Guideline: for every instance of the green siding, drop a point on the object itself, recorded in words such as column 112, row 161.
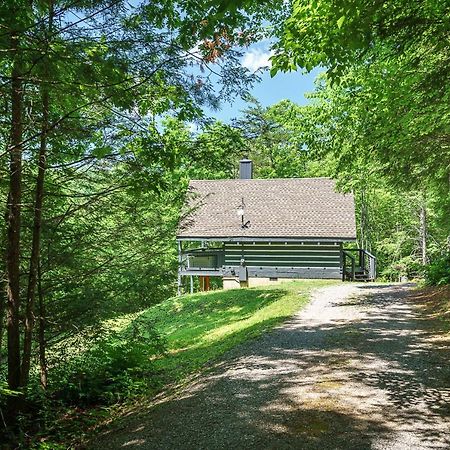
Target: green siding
column 283, row 255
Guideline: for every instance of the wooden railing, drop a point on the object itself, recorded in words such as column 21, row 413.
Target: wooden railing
column 372, row 265
column 348, row 273
column 361, row 266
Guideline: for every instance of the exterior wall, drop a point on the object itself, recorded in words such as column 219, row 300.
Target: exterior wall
column 234, row 283
column 231, row 283
column 286, row 260
column 265, row 281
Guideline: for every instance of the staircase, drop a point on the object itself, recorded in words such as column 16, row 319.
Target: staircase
column 358, row 265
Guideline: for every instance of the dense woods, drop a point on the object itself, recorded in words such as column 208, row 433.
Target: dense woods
column 103, row 123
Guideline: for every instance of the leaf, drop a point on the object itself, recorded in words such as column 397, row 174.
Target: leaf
column 340, row 22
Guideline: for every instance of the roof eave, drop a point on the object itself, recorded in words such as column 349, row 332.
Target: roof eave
column 267, row 238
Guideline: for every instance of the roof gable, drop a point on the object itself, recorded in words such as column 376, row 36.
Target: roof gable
column 276, row 208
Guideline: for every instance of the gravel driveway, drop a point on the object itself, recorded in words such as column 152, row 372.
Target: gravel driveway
column 359, row 368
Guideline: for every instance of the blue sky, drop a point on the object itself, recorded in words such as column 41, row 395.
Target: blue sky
column 268, row 91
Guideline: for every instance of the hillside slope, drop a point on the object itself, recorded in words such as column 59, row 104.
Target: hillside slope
column 138, row 355
column 200, row 327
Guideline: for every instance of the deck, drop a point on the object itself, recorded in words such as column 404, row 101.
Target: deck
column 354, row 265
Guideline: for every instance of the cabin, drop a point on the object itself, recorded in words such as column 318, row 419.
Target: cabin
column 259, row 231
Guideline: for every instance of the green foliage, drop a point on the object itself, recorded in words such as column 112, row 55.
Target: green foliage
column 111, row 253
column 117, row 365
column 438, row 272
column 336, row 33
column 273, row 139
column 406, row 268
column 211, row 152
column 5, row 391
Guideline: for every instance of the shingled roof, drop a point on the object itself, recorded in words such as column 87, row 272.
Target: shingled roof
column 291, row 208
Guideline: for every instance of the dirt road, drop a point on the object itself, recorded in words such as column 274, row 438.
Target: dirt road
column 359, row 368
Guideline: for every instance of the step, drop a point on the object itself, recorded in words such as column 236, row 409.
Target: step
column 362, row 277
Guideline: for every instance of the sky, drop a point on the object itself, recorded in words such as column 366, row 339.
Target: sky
column 291, row 86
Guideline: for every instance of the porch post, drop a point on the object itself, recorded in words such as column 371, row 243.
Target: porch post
column 180, row 261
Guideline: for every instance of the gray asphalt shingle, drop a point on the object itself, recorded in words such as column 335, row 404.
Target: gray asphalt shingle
column 282, row 208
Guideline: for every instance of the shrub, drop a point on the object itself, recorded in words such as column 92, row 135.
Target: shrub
column 116, row 367
column 407, row 267
column 438, row 272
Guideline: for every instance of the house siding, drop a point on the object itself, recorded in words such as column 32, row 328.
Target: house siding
column 309, row 259
column 318, row 255
column 285, row 260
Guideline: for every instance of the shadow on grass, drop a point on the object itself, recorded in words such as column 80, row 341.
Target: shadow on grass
column 201, row 327
column 337, row 384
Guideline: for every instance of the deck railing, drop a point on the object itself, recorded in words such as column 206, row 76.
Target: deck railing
column 361, row 266
column 199, row 261
column 357, row 264
column 348, row 270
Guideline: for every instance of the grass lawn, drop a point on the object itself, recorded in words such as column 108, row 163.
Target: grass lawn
column 201, row 327
column 198, row 329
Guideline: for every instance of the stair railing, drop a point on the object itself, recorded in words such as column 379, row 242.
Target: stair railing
column 372, row 265
column 347, row 257
column 366, row 262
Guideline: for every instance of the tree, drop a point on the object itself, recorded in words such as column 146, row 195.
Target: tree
column 274, row 139
column 337, row 33
column 88, row 84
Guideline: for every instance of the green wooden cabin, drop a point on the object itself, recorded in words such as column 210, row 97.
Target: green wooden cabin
column 258, row 231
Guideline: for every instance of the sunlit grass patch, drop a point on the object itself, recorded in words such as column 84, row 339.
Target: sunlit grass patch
column 200, row 327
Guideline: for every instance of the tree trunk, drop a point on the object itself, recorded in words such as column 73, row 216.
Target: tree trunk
column 364, row 221
column 35, row 243
column 423, row 231
column 3, row 298
column 42, row 343
column 2, row 323
column 37, row 218
column 13, row 221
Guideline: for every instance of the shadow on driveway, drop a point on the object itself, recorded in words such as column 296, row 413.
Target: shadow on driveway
column 359, row 370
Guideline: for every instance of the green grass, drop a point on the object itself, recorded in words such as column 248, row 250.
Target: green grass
column 201, row 327
column 197, row 329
